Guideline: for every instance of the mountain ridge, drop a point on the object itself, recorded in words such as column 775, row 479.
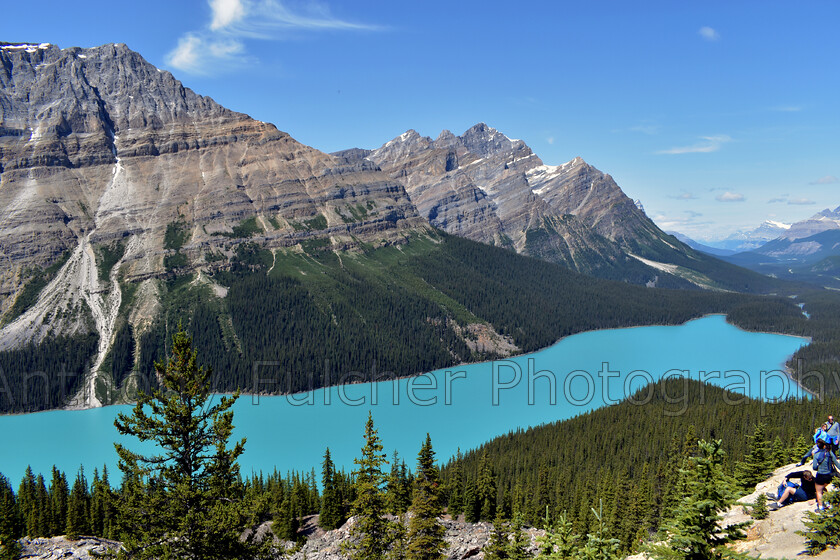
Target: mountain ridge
column 127, row 200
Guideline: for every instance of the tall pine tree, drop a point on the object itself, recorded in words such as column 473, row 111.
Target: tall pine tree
column 455, row 488
column 759, row 462
column 182, row 501
column 425, row 532
column 10, row 525
column 370, row 533
column 78, row 508
column 59, row 496
column 486, row 488
column 695, row 533
column 332, row 515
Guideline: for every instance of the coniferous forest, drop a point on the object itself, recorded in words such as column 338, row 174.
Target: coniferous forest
column 394, row 311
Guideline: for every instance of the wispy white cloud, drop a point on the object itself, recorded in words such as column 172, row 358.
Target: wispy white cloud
column 800, row 201
column 706, row 145
column 709, row 34
column 687, row 223
column 226, row 12
column 201, row 55
column 777, row 199
column 730, row 197
column 827, row 180
column 221, row 44
column 649, row 129
column 685, row 195
column 550, row 139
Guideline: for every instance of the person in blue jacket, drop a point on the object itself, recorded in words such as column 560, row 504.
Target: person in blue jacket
column 820, row 433
column 832, row 433
column 790, row 492
column 825, row 465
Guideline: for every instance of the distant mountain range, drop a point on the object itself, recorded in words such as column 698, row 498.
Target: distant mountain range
column 124, row 194
column 806, row 250
column 749, row 240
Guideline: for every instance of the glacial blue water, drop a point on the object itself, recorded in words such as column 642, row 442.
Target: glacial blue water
column 460, row 407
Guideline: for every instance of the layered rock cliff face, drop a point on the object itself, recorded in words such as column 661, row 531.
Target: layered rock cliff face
column 487, row 187
column 109, row 165
column 97, row 144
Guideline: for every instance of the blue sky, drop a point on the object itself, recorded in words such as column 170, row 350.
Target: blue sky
column 716, row 115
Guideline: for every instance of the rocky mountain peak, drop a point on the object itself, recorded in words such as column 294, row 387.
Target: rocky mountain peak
column 488, row 187
column 99, row 148
column 485, row 140
column 446, row 138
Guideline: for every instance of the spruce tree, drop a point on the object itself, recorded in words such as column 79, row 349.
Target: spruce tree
column 398, row 487
column 598, row 545
column 26, row 503
column 823, row 527
column 518, row 548
column 780, row 453
column 102, row 506
column 472, row 505
column 486, row 488
column 759, row 509
column 10, row 525
column 331, row 516
column 96, row 520
column 59, row 496
column 759, row 462
column 370, row 533
column 425, row 532
column 498, row 548
column 398, row 539
column 695, row 532
column 42, row 512
column 560, row 541
column 455, row 488
column 285, row 524
column 78, row 508
column 182, row 501
column 801, row 446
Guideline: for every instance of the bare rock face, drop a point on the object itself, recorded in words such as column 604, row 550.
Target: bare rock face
column 97, row 144
column 487, row 187
column 60, row 547
column 463, row 540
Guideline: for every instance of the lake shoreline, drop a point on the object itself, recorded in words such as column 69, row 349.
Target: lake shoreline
column 362, row 381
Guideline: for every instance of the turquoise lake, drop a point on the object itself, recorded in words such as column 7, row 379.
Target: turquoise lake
column 463, row 406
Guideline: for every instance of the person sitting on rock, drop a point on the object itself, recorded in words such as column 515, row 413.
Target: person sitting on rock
column 826, row 465
column 790, row 492
column 820, row 433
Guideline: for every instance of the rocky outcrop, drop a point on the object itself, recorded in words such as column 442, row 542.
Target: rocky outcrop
column 775, row 536
column 487, row 187
column 464, row 540
column 60, row 547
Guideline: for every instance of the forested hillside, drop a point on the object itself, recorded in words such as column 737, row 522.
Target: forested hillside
column 407, row 309
column 315, row 314
column 625, row 456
